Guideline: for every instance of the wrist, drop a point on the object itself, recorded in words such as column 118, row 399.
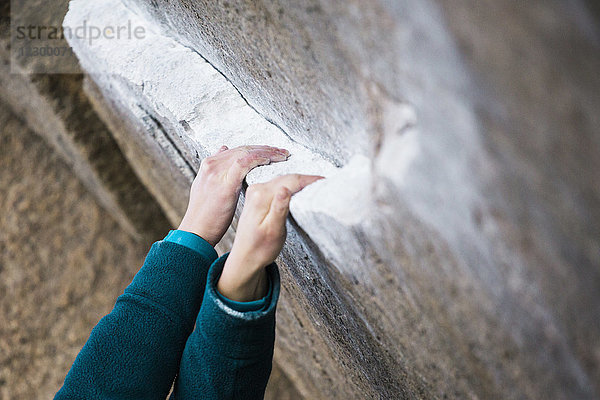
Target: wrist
column 189, row 225
column 240, row 281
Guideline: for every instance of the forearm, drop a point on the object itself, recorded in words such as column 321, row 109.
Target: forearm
column 229, row 354
column 134, row 351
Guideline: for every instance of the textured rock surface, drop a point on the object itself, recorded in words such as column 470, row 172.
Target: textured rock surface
column 63, row 262
column 56, row 108
column 454, row 249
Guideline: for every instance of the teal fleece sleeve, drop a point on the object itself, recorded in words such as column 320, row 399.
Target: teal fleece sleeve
column 229, row 354
column 200, row 245
column 135, row 351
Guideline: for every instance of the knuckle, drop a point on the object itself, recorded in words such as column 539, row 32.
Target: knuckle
column 209, row 164
column 241, row 161
column 283, row 193
column 255, row 191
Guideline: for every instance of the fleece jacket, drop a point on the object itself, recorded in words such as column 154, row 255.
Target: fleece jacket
column 171, row 325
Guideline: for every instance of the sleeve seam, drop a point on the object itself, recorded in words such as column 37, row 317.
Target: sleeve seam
column 153, row 303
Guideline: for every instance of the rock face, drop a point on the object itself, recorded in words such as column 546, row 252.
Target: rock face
column 454, row 250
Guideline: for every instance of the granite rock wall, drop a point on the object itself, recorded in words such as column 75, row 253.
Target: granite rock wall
column 454, row 248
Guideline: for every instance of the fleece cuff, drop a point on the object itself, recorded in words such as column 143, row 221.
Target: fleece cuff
column 192, row 241
column 245, row 332
column 245, row 306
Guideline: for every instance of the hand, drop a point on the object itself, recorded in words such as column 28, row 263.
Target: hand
column 260, row 236
column 216, row 188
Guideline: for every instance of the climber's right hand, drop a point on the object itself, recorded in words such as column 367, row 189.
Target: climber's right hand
column 260, row 236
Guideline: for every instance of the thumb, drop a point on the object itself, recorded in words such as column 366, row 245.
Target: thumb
column 280, row 204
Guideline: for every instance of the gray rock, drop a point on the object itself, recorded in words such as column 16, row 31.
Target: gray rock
column 454, row 249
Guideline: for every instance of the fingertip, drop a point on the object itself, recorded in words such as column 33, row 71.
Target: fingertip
column 223, row 148
column 309, row 179
column 280, row 154
column 279, row 157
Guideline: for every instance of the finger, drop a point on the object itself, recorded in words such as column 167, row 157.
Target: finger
column 256, row 157
column 274, row 153
column 258, row 147
column 261, row 148
column 280, row 205
column 258, row 201
column 252, row 147
column 293, row 182
column 241, row 151
column 251, row 161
